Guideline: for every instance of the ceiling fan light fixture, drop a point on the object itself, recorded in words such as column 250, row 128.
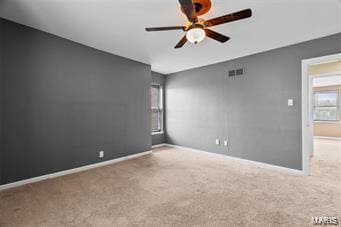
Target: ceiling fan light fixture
column 196, row 28
column 195, row 35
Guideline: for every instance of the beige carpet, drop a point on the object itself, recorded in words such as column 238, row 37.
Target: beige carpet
column 173, row 187
column 327, row 150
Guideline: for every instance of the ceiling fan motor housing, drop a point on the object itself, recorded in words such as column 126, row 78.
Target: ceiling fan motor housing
column 197, row 7
column 201, row 6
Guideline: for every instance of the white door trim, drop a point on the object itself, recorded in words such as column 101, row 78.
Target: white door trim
column 306, row 102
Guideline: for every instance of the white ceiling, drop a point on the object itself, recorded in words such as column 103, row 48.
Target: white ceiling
column 117, row 26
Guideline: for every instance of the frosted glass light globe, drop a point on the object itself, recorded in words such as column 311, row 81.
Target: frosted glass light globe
column 196, row 35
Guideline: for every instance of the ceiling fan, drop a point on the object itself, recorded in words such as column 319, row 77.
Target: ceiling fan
column 196, row 28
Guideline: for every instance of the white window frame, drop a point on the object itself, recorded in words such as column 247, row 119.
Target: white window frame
column 161, row 108
column 337, row 105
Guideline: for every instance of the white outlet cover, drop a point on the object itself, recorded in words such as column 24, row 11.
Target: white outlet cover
column 217, row 141
column 101, row 154
column 290, row 102
column 225, row 143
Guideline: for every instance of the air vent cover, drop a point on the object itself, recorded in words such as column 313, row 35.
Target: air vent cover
column 236, row 72
column 232, row 73
column 239, row 72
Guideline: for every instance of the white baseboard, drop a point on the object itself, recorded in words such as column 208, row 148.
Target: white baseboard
column 254, row 163
column 327, row 138
column 70, row 171
column 96, row 165
column 159, row 145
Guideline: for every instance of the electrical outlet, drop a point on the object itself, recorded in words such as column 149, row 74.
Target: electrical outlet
column 217, row 142
column 225, row 143
column 101, row 154
column 290, row 102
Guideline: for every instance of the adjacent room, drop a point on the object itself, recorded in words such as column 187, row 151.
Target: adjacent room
column 326, row 83
column 170, row 113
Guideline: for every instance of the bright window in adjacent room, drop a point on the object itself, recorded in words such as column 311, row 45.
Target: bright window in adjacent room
column 157, row 108
column 326, row 106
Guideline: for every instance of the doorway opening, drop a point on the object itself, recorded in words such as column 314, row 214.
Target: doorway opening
column 321, row 111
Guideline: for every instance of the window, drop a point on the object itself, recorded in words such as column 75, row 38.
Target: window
column 326, row 106
column 157, row 108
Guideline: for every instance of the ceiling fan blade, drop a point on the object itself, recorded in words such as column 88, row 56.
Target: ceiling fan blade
column 181, row 43
column 165, row 28
column 188, row 9
column 229, row 18
column 216, row 36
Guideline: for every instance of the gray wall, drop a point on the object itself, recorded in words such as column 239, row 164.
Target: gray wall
column 1, row 98
column 158, row 78
column 250, row 111
column 64, row 102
